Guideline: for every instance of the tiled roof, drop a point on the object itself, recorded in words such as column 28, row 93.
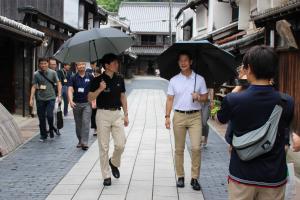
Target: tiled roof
column 247, row 39
column 147, row 17
column 291, row 4
column 151, row 51
column 21, row 27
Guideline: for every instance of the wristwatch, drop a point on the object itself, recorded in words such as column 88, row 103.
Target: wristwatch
column 167, row 116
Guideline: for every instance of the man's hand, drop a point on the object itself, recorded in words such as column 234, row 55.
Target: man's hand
column 126, row 121
column 102, row 86
column 72, row 104
column 296, row 142
column 286, row 148
column 59, row 99
column 195, row 96
column 31, row 102
column 168, row 123
column 230, row 149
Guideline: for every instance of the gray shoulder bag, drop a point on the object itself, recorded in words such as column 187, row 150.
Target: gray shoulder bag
column 259, row 141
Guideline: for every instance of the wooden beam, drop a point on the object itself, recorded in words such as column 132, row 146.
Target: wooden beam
column 49, row 32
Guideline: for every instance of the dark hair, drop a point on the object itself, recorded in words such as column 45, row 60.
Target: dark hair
column 263, row 61
column 93, row 62
column 42, row 59
column 108, row 58
column 52, row 58
column 98, row 70
column 186, row 53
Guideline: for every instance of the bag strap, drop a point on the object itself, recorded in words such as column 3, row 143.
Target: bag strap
column 45, row 77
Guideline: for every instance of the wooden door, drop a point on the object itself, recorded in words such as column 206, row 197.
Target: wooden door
column 7, row 94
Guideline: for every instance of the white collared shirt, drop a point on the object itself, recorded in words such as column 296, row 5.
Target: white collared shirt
column 182, row 87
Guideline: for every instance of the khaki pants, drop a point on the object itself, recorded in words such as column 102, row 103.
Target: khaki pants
column 110, row 122
column 239, row 191
column 181, row 124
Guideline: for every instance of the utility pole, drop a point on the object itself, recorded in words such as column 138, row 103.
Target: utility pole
column 170, row 21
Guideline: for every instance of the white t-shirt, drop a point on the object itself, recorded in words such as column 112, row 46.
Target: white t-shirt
column 182, row 87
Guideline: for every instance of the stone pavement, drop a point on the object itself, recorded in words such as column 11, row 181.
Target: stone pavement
column 35, row 169
column 147, row 170
column 214, row 168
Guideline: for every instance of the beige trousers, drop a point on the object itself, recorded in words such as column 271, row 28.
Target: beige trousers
column 239, row 191
column 110, row 123
column 181, row 124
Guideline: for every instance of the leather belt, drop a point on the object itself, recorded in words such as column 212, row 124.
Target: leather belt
column 111, row 109
column 187, row 112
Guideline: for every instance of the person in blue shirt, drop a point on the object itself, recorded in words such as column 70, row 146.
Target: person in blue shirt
column 78, row 89
column 265, row 176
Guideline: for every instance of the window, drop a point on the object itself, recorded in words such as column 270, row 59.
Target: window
column 235, row 14
column 148, row 40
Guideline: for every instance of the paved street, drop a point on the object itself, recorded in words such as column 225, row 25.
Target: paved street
column 147, row 171
column 57, row 170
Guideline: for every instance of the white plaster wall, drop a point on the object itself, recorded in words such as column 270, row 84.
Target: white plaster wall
column 179, row 30
column 200, row 21
column 71, row 12
column 220, row 15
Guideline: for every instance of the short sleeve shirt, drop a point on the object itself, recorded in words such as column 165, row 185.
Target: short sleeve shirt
column 111, row 96
column 45, row 90
column 64, row 77
column 81, row 86
column 182, row 87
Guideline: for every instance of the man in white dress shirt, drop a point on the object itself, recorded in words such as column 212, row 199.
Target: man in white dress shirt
column 185, row 92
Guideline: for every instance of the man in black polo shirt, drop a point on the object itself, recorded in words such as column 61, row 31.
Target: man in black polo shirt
column 109, row 90
column 78, row 97
column 265, row 176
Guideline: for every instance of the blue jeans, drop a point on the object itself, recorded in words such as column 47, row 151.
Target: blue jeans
column 65, row 99
column 45, row 110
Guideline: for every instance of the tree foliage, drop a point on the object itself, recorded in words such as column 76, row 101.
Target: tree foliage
column 113, row 5
column 110, row 5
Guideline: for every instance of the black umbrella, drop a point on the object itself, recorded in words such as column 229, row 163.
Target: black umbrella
column 214, row 64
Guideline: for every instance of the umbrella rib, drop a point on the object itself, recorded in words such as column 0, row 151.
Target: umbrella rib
column 112, row 45
column 66, row 54
column 96, row 50
column 90, row 51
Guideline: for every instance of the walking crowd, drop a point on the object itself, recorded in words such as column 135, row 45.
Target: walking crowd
column 259, row 117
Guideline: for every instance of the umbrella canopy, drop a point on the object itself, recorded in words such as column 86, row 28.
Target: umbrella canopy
column 91, row 45
column 214, row 64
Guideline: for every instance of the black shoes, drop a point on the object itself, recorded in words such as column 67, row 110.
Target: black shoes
column 84, row 147
column 107, row 182
column 114, row 170
column 180, row 182
column 195, row 184
column 51, row 134
column 57, row 132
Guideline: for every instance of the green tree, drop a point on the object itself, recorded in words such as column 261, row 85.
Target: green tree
column 113, row 5
column 110, row 5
